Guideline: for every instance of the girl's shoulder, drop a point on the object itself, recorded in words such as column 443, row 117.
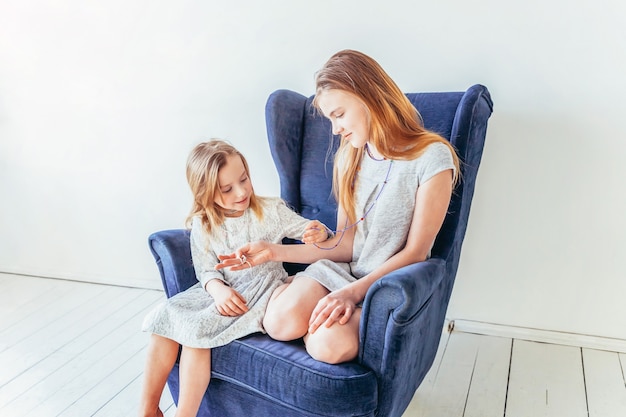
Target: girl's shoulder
column 278, row 210
column 198, row 233
column 195, row 223
column 270, row 207
column 435, row 158
column 436, row 151
column 271, row 203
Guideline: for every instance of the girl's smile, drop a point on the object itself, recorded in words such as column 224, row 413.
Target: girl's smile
column 235, row 187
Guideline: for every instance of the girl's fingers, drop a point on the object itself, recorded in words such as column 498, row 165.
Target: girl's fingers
column 320, row 315
column 240, row 306
column 233, row 263
column 326, row 315
column 346, row 315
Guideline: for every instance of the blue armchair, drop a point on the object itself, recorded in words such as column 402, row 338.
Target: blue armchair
column 403, row 312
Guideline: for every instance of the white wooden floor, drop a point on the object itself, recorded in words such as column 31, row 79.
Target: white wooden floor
column 71, row 349
column 76, row 349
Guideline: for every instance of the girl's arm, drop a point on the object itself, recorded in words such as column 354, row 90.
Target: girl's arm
column 431, row 205
column 337, row 248
column 228, row 301
column 297, row 227
column 204, row 259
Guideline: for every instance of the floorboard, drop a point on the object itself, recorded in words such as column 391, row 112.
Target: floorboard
column 91, row 401
column 488, row 387
column 469, row 379
column 454, row 373
column 80, row 351
column 42, row 310
column 32, row 338
column 604, row 381
column 546, row 380
column 418, row 407
column 17, row 292
column 87, row 354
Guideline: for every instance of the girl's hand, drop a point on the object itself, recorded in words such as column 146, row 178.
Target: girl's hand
column 227, row 301
column 315, row 232
column 337, row 306
column 249, row 255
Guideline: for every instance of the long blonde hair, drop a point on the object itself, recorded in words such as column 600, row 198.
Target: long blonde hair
column 203, row 165
column 395, row 130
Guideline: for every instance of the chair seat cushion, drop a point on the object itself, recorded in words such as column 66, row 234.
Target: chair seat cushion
column 284, row 371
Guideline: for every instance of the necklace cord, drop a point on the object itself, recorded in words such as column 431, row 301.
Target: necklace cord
column 347, row 227
column 369, row 153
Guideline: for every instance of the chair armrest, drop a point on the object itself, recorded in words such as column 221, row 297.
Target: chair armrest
column 172, row 254
column 401, row 323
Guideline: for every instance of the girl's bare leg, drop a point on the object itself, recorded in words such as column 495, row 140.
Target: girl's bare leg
column 337, row 343
column 290, row 307
column 195, row 373
column 162, row 353
column 287, row 318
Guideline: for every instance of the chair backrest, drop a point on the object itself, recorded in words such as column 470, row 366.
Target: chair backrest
column 303, row 147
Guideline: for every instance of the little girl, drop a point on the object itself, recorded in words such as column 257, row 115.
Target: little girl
column 224, row 305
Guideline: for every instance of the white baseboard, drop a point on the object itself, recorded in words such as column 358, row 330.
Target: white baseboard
column 538, row 335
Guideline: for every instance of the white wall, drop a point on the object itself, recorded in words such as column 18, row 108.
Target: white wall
column 100, row 103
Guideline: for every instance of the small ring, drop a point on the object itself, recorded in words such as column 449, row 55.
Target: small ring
column 243, row 259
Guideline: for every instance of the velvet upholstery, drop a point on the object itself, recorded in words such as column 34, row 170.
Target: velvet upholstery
column 403, row 312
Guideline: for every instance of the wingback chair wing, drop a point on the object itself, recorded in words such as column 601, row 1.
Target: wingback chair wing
column 403, row 312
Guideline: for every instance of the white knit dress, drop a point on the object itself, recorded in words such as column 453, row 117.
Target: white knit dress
column 190, row 317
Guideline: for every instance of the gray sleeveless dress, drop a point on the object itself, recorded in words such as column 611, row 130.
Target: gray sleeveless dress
column 385, row 227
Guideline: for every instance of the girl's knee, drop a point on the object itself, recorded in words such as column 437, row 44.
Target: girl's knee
column 327, row 346
column 272, row 324
column 285, row 318
column 281, row 324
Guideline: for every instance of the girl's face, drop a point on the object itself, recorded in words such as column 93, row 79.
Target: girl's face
column 235, row 188
column 348, row 115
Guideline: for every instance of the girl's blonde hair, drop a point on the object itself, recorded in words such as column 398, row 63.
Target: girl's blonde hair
column 395, row 130
column 203, row 165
